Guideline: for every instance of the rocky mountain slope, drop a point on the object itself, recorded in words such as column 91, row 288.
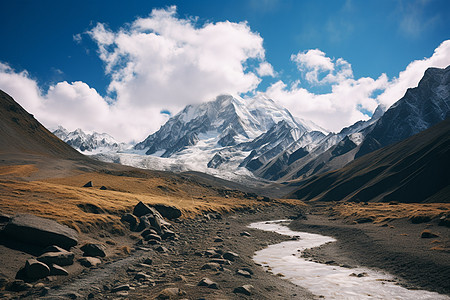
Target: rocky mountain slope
column 414, row 170
column 20, row 132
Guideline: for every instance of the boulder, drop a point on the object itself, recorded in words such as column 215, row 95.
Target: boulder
column 58, row 270
column 39, row 231
column 131, row 219
column 427, row 234
column 62, row 258
column 151, row 236
column 246, row 289
column 243, row 273
column 89, row 261
column 35, row 269
column 88, row 184
column 211, row 266
column 119, row 288
column 91, row 249
column 208, row 283
column 167, row 211
column 53, row 248
column 142, row 209
column 167, row 234
column 171, row 293
column 103, row 188
column 230, row 255
column 150, row 221
column 148, row 231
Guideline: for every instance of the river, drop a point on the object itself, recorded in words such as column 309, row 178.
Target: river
column 330, row 282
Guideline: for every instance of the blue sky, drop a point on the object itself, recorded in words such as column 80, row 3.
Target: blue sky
column 355, row 48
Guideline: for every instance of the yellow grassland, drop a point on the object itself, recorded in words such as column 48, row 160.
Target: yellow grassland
column 382, row 212
column 66, row 200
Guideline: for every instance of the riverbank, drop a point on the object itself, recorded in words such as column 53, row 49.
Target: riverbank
column 394, row 246
column 182, row 265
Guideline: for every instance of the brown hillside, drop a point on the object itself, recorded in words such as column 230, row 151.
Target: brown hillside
column 414, row 170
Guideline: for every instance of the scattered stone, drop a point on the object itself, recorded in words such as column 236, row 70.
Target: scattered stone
column 426, row 234
column 73, row 295
column 246, row 289
column 180, row 278
column 148, row 261
column 103, row 188
column 53, row 248
column 220, row 261
column 171, row 293
column 444, row 221
column 168, row 234
column 230, row 255
column 19, row 286
column 89, row 261
column 39, row 231
column 245, row 233
column 364, row 274
column 208, row 283
column 211, row 252
column 419, row 219
column 148, row 231
column 62, row 258
column 58, row 270
column 35, row 269
column 152, row 236
column 88, row 184
column 243, row 273
column 130, row 219
column 218, row 239
column 93, row 250
column 364, row 220
column 161, row 249
column 167, row 211
column 119, row 288
column 142, row 209
column 211, row 266
column 142, row 276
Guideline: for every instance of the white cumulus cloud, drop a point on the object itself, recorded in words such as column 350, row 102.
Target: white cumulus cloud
column 350, row 99
column 157, row 63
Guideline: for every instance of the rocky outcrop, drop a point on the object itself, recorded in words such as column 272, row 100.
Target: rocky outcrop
column 31, row 229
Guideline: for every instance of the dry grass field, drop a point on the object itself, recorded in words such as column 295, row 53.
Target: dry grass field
column 64, row 199
column 383, row 212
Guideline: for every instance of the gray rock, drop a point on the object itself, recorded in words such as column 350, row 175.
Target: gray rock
column 131, row 219
column 89, row 261
column 245, row 233
column 220, row 261
column 167, row 211
column 142, row 209
column 58, row 270
column 171, row 293
column 246, row 289
column 91, row 249
column 19, row 286
column 88, row 184
column 148, row 231
column 243, row 273
column 161, row 249
column 167, row 234
column 230, row 255
column 211, row 266
column 142, row 276
column 53, row 248
column 34, row 269
column 39, row 231
column 180, row 278
column 62, row 258
column 119, row 288
column 208, row 283
column 151, row 236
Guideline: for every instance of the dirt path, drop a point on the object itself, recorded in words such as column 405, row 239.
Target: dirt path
column 181, row 266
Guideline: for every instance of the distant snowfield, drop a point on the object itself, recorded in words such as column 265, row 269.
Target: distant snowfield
column 331, row 282
column 193, row 158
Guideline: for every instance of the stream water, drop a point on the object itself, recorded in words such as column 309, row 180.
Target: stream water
column 331, row 282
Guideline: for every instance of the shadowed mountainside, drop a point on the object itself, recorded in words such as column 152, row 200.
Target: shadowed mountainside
column 414, row 170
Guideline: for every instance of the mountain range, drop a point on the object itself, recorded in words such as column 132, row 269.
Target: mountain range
column 257, row 138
